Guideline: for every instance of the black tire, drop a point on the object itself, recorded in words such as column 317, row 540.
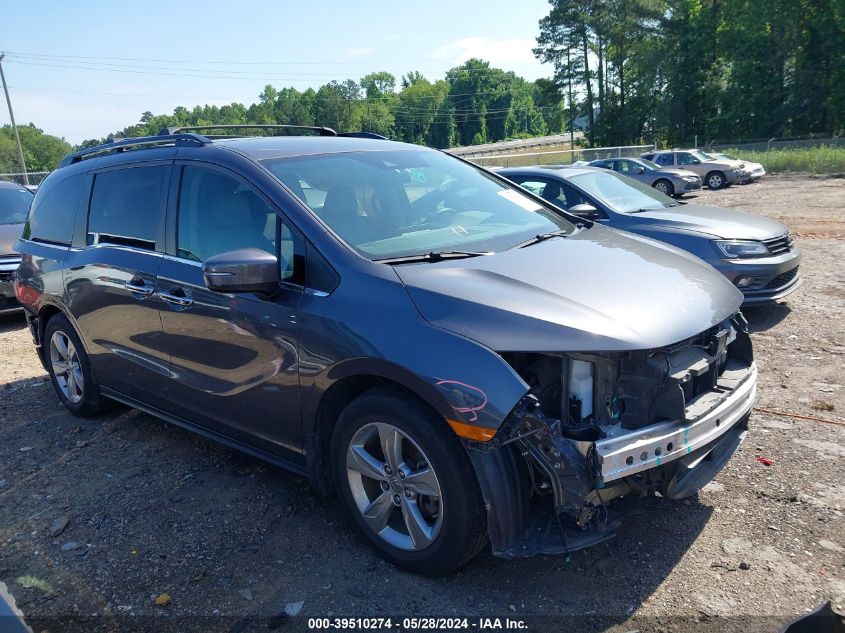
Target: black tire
column 664, row 186
column 716, row 180
column 91, row 402
column 463, row 531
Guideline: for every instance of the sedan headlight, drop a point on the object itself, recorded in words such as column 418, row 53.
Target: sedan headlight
column 691, row 178
column 741, row 249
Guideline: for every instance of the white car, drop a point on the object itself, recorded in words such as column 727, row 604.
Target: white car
column 752, row 171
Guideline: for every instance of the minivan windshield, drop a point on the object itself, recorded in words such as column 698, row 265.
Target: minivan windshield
column 14, row 205
column 400, row 203
column 621, row 194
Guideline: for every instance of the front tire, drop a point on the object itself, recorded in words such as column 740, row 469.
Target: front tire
column 408, row 483
column 716, row 180
column 69, row 369
column 664, row 187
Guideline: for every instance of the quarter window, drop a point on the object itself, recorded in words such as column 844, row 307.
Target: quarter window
column 53, row 212
column 126, row 207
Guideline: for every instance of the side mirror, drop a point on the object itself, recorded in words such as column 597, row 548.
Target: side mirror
column 640, row 170
column 586, row 211
column 242, row 270
column 695, row 161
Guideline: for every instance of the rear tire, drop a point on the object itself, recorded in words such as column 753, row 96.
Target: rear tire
column 69, row 369
column 417, row 502
column 716, row 180
column 664, row 187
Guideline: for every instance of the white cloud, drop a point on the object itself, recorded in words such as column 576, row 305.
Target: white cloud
column 505, row 52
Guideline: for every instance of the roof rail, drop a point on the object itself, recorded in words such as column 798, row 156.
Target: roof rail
column 119, row 145
column 323, row 131
column 363, row 135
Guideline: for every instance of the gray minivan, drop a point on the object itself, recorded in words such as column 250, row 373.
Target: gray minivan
column 461, row 362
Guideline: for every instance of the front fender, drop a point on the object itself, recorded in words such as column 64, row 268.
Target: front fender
column 464, row 381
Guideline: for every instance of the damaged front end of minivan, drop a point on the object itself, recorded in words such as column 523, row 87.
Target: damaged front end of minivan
column 598, row 430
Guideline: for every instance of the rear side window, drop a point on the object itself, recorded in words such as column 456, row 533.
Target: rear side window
column 53, row 212
column 664, row 159
column 126, row 206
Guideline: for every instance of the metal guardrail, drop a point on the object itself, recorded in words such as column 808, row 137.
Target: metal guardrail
column 506, row 147
column 35, row 177
column 557, row 157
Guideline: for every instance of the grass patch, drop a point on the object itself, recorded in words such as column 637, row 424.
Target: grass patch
column 810, row 160
column 31, row 582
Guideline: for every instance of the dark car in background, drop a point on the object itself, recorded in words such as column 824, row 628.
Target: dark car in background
column 667, row 180
column 459, row 360
column 757, row 254
column 14, row 204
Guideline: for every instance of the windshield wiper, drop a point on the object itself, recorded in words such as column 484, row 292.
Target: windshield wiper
column 542, row 237
column 433, row 256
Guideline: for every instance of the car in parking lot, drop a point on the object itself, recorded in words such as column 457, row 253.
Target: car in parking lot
column 459, row 360
column 14, row 204
column 716, row 173
column 667, row 180
column 751, row 171
column 757, row 254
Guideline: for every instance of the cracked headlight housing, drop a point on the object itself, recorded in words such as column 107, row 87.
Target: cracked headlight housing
column 742, row 249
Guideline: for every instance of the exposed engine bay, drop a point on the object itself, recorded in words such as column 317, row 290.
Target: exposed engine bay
column 612, row 426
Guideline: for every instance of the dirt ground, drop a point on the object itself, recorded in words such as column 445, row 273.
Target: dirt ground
column 100, row 517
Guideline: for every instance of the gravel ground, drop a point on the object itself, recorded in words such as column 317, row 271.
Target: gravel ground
column 100, row 517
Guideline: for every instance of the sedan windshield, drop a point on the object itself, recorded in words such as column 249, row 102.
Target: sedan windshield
column 701, row 155
column 621, row 194
column 394, row 204
column 14, row 204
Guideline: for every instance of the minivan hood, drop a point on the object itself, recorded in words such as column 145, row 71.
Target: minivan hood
column 9, row 234
column 728, row 224
column 598, row 290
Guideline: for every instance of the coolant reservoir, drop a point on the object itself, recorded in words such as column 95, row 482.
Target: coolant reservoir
column 581, row 385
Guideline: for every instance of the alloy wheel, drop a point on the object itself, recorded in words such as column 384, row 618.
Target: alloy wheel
column 662, row 187
column 715, row 181
column 66, row 366
column 394, row 486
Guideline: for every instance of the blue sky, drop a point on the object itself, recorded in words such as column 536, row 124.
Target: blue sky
column 87, row 69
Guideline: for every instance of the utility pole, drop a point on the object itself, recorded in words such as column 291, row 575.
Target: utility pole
column 571, row 112
column 12, row 117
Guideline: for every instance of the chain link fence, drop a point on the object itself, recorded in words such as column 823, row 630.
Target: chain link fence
column 558, row 157
column 767, row 145
column 34, row 178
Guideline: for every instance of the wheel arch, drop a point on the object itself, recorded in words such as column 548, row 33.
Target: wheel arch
column 47, row 311
column 346, row 382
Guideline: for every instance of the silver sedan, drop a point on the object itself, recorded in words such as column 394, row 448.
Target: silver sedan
column 667, row 180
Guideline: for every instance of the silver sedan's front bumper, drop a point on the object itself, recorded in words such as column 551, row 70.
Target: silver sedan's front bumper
column 666, row 441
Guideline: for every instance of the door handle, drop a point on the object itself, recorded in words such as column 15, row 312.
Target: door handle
column 139, row 289
column 182, row 300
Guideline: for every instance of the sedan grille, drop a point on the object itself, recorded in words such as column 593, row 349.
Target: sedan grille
column 779, row 245
column 7, row 275
column 782, row 279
